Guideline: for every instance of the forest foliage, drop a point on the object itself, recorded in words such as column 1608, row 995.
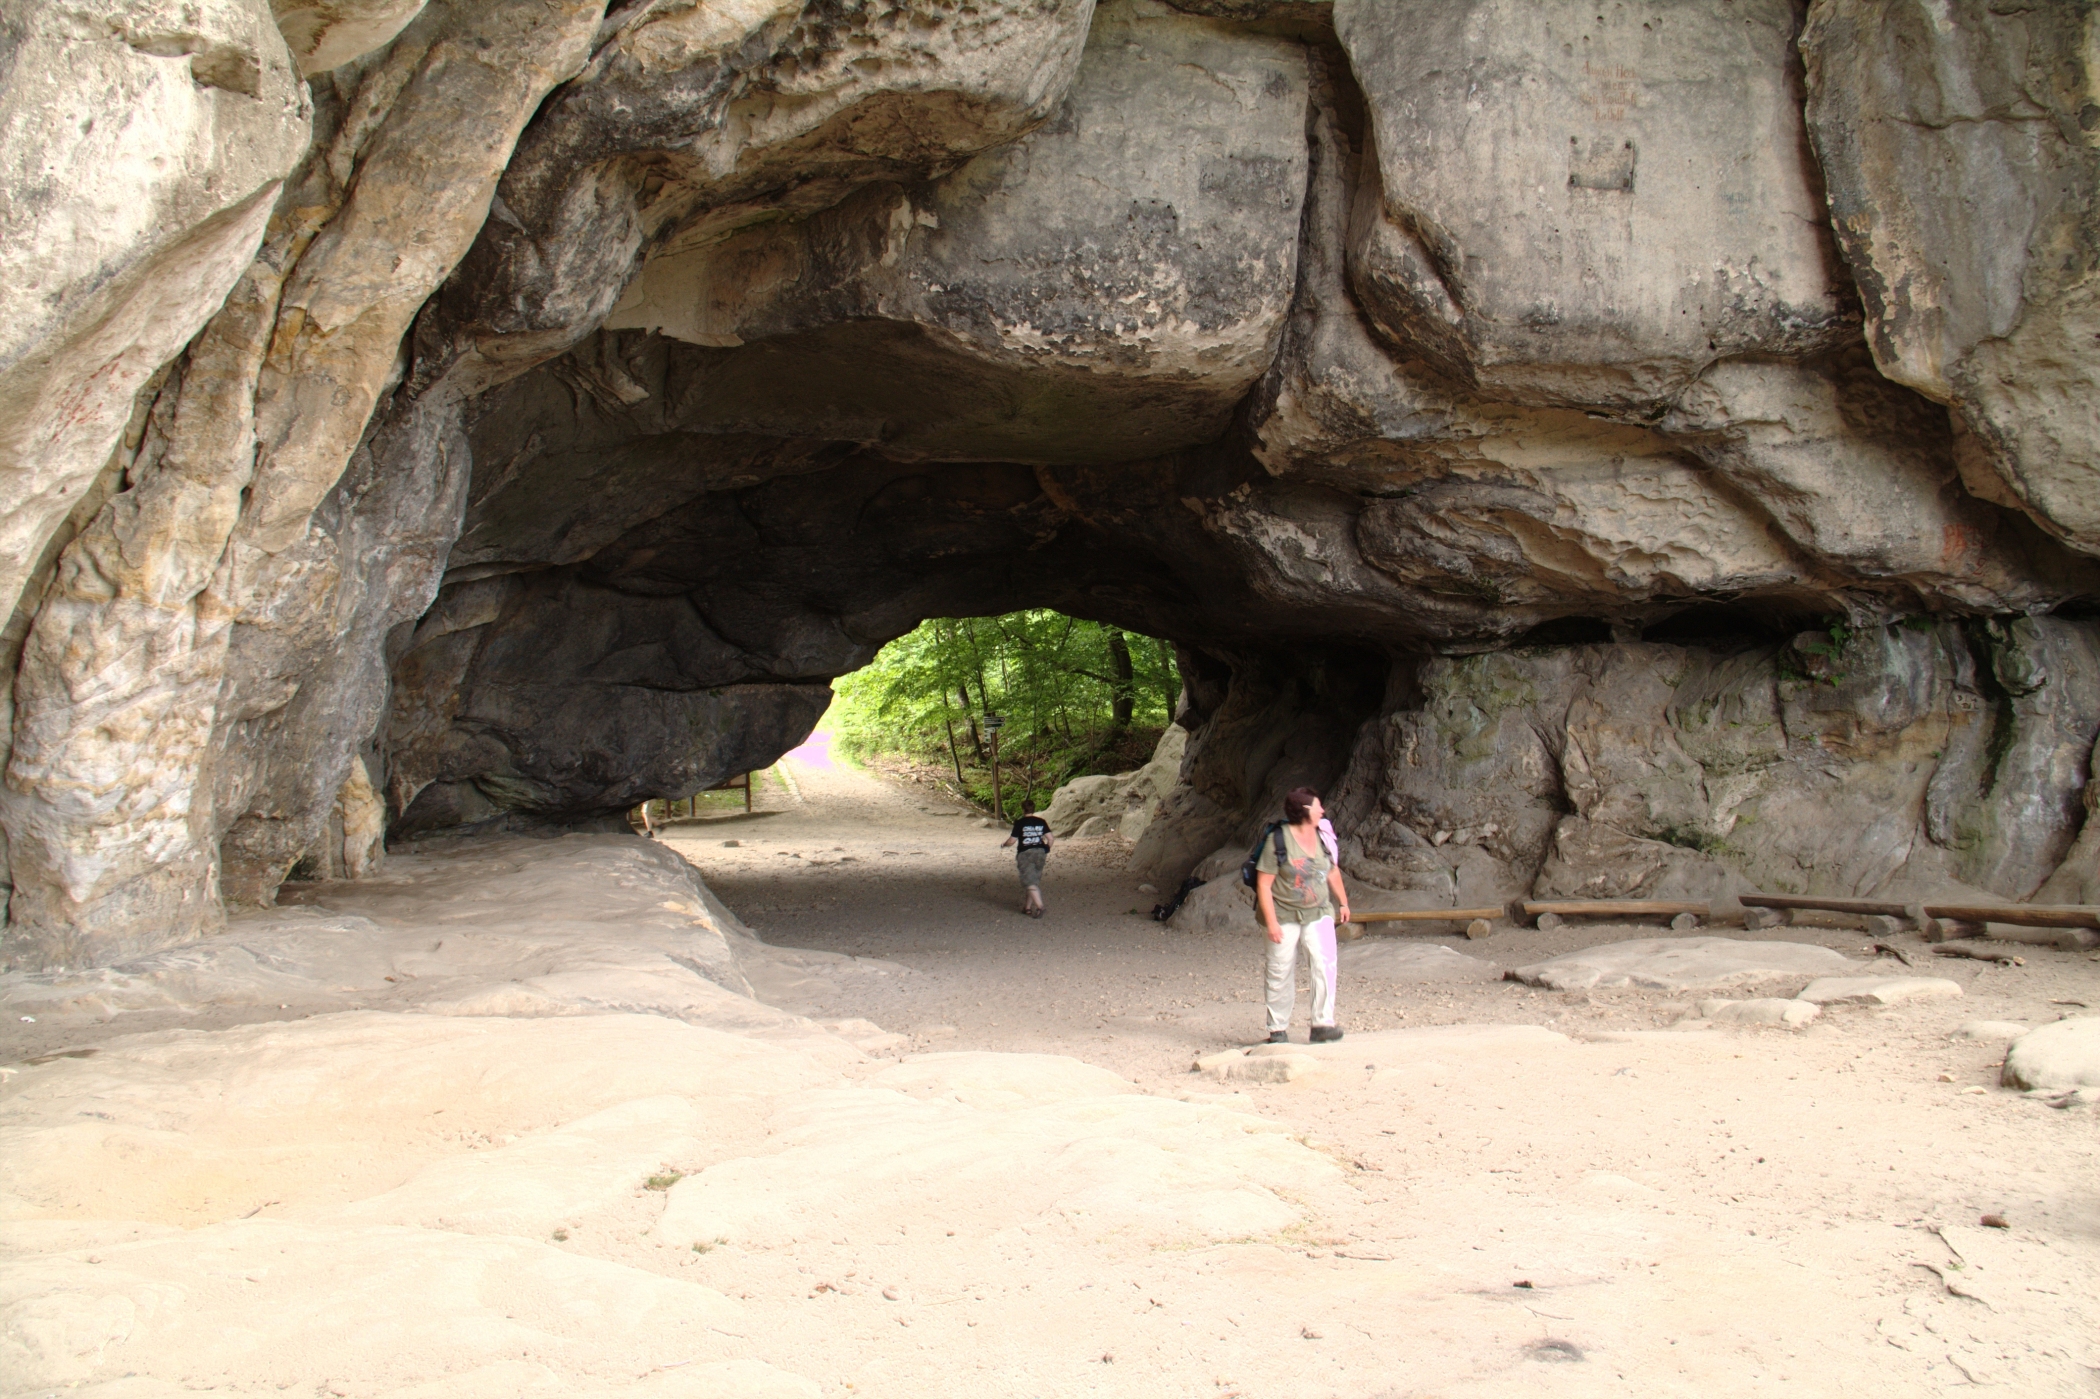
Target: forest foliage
column 1076, row 697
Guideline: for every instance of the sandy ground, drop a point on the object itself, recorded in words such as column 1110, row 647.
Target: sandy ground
column 491, row 1125
column 1740, row 1210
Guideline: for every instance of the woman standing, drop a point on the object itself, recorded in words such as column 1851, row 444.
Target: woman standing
column 1300, row 899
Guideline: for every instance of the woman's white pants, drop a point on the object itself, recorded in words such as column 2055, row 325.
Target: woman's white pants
column 1317, row 938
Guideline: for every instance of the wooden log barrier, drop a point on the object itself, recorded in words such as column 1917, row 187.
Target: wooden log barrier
column 1882, row 917
column 1615, row 908
column 1548, row 914
column 1480, row 922
column 1816, row 904
column 2076, row 926
column 2021, row 915
column 1943, row 922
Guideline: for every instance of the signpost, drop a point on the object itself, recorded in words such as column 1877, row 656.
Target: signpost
column 992, row 724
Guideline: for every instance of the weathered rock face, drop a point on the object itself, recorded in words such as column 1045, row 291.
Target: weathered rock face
column 326, row 34
column 1892, row 761
column 1103, row 289
column 106, row 805
column 609, row 381
column 1959, row 143
column 1812, row 483
column 1124, row 803
column 141, row 147
column 1567, row 207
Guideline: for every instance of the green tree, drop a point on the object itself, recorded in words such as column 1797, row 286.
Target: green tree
column 1076, row 696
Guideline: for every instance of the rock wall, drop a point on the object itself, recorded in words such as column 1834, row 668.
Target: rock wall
column 1482, row 395
column 1961, row 145
column 1124, row 803
column 1890, row 762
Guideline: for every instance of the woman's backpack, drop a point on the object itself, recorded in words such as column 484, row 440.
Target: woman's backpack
column 1274, row 830
column 1328, row 842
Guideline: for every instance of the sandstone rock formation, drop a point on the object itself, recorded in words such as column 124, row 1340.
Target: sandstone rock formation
column 142, row 147
column 1629, row 453
column 1958, row 146
column 1905, row 760
column 1125, row 803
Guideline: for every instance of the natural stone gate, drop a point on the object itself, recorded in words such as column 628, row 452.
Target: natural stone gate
column 1628, row 452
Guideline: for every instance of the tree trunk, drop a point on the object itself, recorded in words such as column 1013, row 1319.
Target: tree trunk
column 1169, row 677
column 976, row 738
column 949, row 720
column 1123, row 694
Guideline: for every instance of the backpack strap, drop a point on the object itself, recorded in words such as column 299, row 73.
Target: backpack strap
column 1277, row 831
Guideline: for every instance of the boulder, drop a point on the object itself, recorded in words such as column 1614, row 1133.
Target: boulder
column 1084, row 799
column 1125, row 802
column 2063, row 1055
column 1221, row 905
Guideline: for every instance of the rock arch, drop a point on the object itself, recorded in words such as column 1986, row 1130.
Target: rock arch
column 608, row 380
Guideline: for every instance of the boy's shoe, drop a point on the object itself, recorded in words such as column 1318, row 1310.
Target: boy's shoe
column 1279, row 1037
column 1326, row 1034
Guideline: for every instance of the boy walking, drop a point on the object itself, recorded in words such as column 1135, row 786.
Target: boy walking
column 1031, row 835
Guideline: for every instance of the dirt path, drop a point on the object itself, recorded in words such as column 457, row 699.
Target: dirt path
column 1723, row 1210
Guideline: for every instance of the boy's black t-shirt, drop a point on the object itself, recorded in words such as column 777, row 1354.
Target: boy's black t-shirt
column 1032, row 833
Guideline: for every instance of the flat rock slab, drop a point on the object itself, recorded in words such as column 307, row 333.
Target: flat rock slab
column 1391, row 959
column 1878, row 990
column 1681, row 964
column 1991, row 1031
column 1379, row 1050
column 1765, row 1010
column 1247, row 1066
column 2064, row 1055
column 1382, row 1047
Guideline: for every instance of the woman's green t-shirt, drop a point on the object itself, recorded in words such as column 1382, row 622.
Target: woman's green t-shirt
column 1300, row 891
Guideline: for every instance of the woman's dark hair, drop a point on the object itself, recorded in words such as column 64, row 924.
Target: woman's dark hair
column 1297, row 802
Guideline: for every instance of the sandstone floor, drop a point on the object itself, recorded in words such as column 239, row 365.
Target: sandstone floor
column 502, row 1122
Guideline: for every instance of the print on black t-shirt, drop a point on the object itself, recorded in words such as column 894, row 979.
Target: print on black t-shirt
column 1032, row 833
